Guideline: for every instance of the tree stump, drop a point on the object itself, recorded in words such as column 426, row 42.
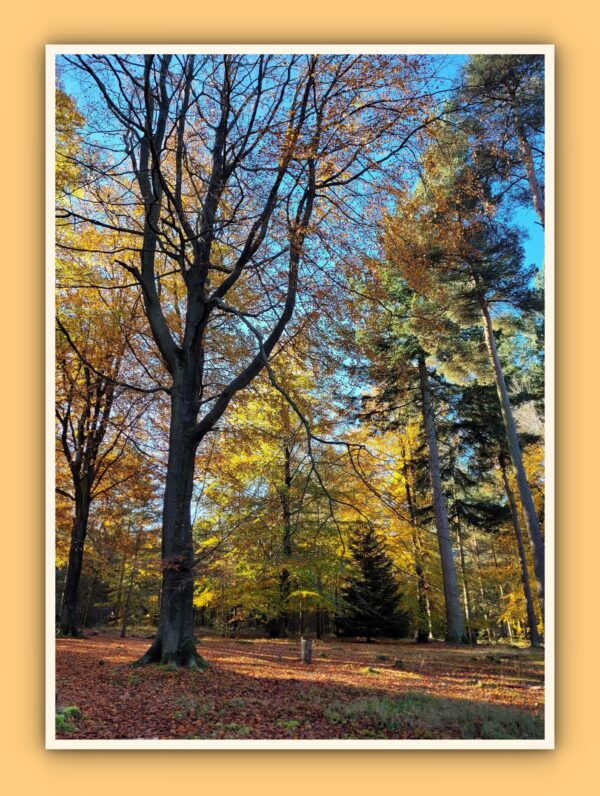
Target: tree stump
column 305, row 650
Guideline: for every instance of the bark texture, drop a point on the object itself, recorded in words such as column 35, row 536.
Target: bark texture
column 514, row 449
column 455, row 626
column 534, row 635
column 423, row 633
column 69, row 603
column 174, row 642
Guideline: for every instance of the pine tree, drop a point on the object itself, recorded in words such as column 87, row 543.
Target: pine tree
column 372, row 596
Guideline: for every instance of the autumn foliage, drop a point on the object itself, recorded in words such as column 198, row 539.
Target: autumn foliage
column 299, row 392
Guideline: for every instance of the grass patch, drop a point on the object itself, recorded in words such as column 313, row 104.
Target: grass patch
column 62, row 718
column 237, row 702
column 194, row 707
column 424, row 716
column 233, row 730
column 288, row 724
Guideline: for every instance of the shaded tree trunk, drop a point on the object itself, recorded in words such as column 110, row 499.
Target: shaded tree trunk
column 423, row 620
column 120, row 589
column 455, row 627
column 486, row 619
column 88, row 603
column 174, row 641
column 534, row 636
column 127, row 613
column 465, row 583
column 501, row 591
column 285, row 585
column 68, row 608
column 514, row 449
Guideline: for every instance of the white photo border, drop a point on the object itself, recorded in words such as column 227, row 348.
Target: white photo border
column 548, row 51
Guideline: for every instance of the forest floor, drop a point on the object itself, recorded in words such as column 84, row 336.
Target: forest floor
column 259, row 689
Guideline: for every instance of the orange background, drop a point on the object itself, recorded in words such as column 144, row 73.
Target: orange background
column 27, row 27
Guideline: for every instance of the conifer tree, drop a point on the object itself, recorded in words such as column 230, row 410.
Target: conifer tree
column 372, row 596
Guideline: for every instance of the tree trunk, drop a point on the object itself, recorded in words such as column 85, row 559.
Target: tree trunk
column 306, row 650
column 455, row 627
column 423, row 623
column 84, row 621
column 131, row 583
column 120, row 589
column 68, row 608
column 514, row 449
column 501, row 591
column 534, row 636
column 174, row 641
column 465, row 582
column 486, row 619
column 285, row 585
column 534, row 185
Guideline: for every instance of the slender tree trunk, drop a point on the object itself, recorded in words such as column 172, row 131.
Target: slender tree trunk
column 285, row 585
column 127, row 613
column 174, row 641
column 68, row 608
column 465, row 582
column 455, row 627
column 120, row 589
column 534, row 184
column 486, row 619
column 423, row 626
column 534, row 635
column 88, row 601
column 501, row 590
column 514, row 448
column 508, row 627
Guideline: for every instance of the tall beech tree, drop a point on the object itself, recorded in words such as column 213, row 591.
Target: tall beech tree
column 212, row 168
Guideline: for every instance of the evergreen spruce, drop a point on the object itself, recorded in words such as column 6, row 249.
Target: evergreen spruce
column 371, row 597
